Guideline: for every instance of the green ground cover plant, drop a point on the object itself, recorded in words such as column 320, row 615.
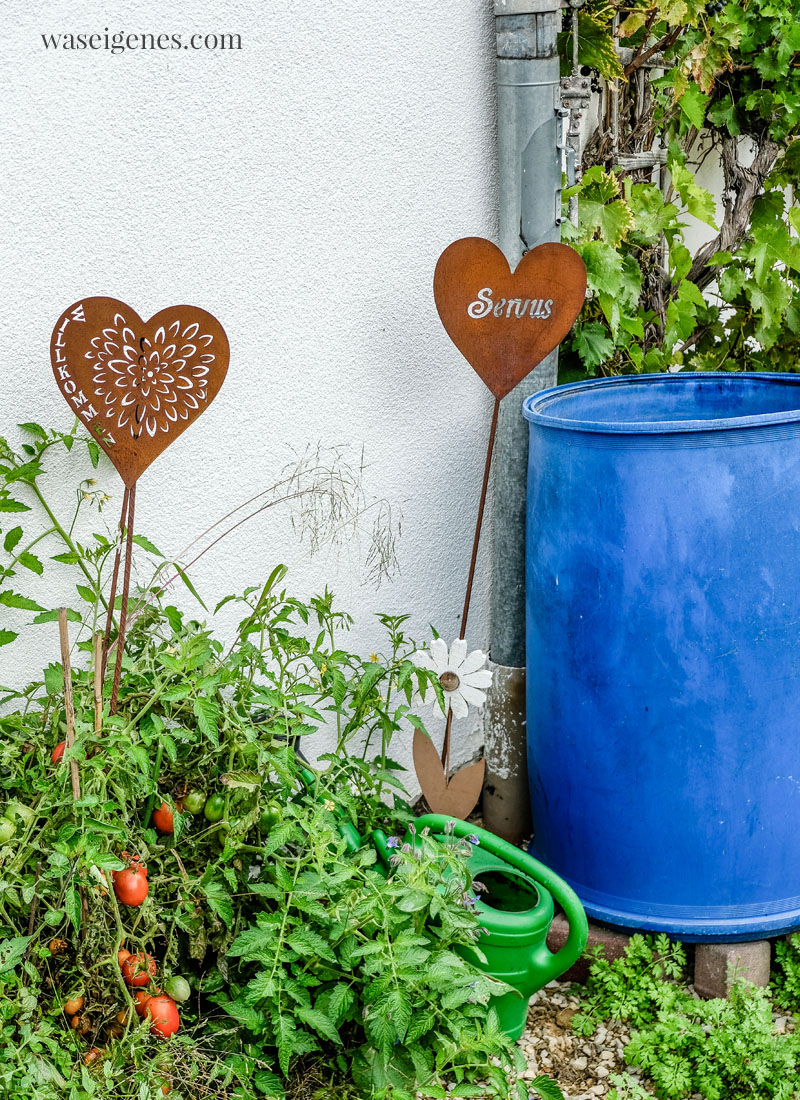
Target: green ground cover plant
column 718, row 1049
column 726, row 90
column 204, row 858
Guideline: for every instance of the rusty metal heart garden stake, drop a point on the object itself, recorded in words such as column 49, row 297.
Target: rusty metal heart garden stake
column 504, row 323
column 136, row 385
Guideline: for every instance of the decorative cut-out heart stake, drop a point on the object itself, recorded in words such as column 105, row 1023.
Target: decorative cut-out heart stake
column 136, row 385
column 504, row 323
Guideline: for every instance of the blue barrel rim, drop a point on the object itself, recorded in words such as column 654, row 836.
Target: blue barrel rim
column 534, row 407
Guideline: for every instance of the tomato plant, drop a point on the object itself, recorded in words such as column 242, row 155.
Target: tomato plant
column 252, row 902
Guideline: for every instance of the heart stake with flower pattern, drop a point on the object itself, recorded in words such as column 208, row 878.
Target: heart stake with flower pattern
column 136, row 385
column 504, row 323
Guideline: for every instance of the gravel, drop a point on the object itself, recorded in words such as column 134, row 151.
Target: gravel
column 582, row 1065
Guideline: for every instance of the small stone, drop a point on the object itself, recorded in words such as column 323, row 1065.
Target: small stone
column 579, row 1064
column 601, row 1071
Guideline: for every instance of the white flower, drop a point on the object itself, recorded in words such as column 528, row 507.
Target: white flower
column 463, row 678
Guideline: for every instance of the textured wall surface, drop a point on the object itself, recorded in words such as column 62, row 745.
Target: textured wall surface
column 300, row 189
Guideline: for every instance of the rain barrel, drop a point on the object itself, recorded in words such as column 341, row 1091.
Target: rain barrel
column 663, row 661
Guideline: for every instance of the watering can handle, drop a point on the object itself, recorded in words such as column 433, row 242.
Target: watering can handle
column 562, row 960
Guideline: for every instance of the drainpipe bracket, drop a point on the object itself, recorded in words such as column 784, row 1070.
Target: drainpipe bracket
column 525, row 7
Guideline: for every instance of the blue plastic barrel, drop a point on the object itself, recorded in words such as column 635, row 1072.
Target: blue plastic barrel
column 663, row 608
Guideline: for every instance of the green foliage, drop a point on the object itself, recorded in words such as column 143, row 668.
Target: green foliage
column 786, row 978
column 717, row 1049
column 731, row 73
column 314, row 971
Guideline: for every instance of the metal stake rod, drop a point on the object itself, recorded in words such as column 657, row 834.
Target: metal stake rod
column 529, row 123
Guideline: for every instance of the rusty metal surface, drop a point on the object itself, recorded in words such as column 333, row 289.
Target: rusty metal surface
column 137, row 385
column 505, row 322
column 456, row 796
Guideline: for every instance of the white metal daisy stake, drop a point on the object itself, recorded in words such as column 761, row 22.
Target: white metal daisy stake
column 464, row 679
column 503, row 323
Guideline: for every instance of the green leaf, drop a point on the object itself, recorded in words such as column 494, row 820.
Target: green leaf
column 7, row 504
column 147, row 545
column 546, row 1088
column 206, row 711
column 12, row 538
column 33, row 429
column 94, row 452
column 30, row 561
column 693, row 104
column 189, row 585
column 699, row 202
column 219, row 901
column 12, row 952
column 593, row 343
column 13, row 599
column 72, row 907
column 308, row 943
column 52, row 617
column 86, row 593
column 320, row 1023
column 7, row 636
column 595, row 47
column 53, row 679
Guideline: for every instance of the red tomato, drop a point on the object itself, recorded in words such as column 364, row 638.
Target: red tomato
column 139, row 969
column 58, row 752
column 130, row 885
column 163, row 819
column 163, row 1014
column 140, row 999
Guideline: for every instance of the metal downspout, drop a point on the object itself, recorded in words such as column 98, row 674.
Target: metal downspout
column 529, row 141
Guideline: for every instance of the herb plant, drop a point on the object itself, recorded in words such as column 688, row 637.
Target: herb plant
column 718, row 1049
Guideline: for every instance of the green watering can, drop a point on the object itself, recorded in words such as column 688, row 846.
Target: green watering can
column 516, row 910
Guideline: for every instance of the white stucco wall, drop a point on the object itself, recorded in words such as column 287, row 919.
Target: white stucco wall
column 301, row 190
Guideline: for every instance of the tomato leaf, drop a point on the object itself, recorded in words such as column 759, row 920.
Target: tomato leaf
column 13, row 599
column 72, row 907
column 206, row 711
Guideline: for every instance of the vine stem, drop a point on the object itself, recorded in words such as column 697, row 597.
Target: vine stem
column 148, row 809
column 69, row 709
column 123, row 610
column 66, row 539
column 117, row 947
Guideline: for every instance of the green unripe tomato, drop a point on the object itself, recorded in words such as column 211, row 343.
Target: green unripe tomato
column 214, row 807
column 7, row 830
column 194, row 801
column 271, row 815
column 178, row 988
